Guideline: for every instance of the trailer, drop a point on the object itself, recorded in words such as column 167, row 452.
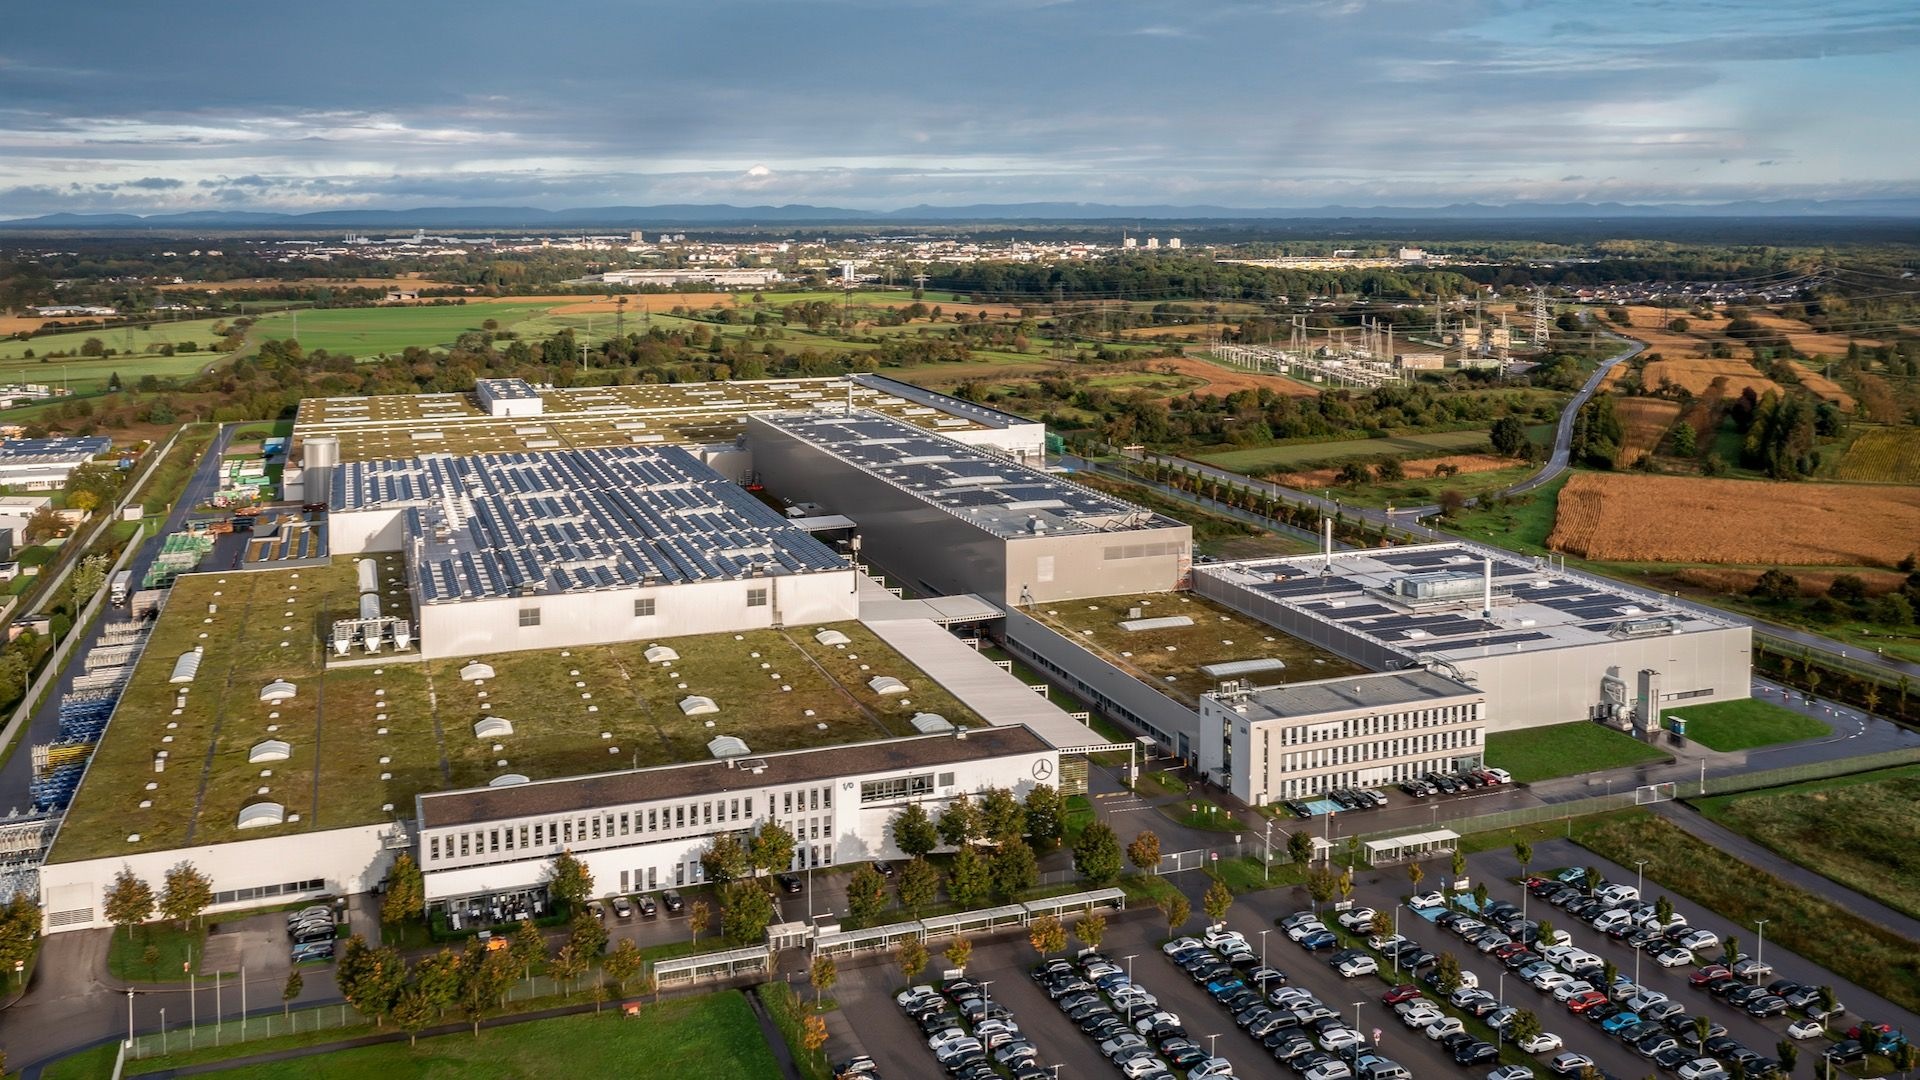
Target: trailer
column 118, row 590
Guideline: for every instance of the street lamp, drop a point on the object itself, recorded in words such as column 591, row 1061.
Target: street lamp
column 129, row 1016
column 1760, row 951
column 163, row 1031
column 1211, row 1039
column 1640, row 875
column 1133, row 1002
column 1503, row 989
column 1263, row 960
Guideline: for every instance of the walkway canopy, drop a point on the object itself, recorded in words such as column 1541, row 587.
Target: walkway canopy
column 1412, row 846
column 1074, row 903
column 712, row 965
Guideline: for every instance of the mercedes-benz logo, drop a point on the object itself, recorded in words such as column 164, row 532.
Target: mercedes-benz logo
column 1042, row 769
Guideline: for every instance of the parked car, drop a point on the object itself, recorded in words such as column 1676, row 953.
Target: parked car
column 1805, row 1029
column 621, row 908
column 1544, row 1043
column 1569, row 1063
column 671, row 899
column 1428, row 900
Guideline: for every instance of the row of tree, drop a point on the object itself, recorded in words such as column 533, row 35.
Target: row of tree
column 183, row 896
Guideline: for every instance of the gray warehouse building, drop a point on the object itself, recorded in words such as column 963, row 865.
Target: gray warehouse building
column 1544, row 645
column 949, row 518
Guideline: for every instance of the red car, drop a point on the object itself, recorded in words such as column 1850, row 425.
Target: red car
column 1509, row 949
column 1707, row 974
column 1403, row 992
column 1586, row 999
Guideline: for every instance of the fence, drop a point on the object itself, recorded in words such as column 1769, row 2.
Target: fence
column 183, row 1034
column 1793, row 774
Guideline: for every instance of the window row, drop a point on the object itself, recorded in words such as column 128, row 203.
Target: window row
column 1382, row 724
column 609, row 825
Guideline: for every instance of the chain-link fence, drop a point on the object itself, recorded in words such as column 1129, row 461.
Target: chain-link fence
column 190, row 1035
column 1793, row 774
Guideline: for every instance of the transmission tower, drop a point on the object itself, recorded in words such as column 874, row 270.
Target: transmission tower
column 1541, row 328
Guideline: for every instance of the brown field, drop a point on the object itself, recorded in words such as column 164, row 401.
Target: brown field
column 1645, row 421
column 1223, row 380
column 1422, row 469
column 1822, row 385
column 1197, row 330
column 1649, row 324
column 16, row 324
column 1614, row 374
column 1807, row 340
column 1812, row 582
column 1681, row 519
column 1885, row 455
column 1697, row 375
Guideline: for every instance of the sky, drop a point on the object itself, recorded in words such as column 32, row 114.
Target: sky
column 110, row 106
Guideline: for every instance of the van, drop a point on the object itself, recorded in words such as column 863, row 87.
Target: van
column 1613, row 920
column 1379, row 1068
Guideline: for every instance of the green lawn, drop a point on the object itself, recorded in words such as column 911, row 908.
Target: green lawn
column 713, row 1036
column 1801, row 921
column 123, row 339
column 85, row 1065
column 1745, row 724
column 90, row 375
column 126, row 956
column 1300, row 455
column 1522, row 524
column 1543, row 753
column 370, row 331
column 1857, row 830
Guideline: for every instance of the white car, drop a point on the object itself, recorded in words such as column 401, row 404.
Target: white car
column 1570, row 990
column 1644, row 1000
column 1357, row 919
column 1468, row 980
column 1551, row 980
column 939, row 1041
column 1216, row 937
column 915, row 995
column 1420, row 1018
column 1413, row 1004
column 1511, row 1072
column 1357, row 966
column 1143, row 1066
column 1553, row 954
column 1147, row 1023
column 1674, row 957
column 1428, row 900
column 1444, row 1027
column 1697, row 940
column 1703, row 1068
column 1177, row 946
column 1213, row 1066
column 1544, row 1043
column 1335, row 1040
column 1570, row 1064
column 1301, row 930
column 1805, row 1029
column 1504, row 777
column 1120, row 1044
column 1385, row 942
column 1326, row 1070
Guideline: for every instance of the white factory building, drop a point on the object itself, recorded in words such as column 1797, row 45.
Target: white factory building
column 571, row 547
column 645, row 830
column 47, row 463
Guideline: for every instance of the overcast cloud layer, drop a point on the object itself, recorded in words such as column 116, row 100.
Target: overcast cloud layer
column 879, row 104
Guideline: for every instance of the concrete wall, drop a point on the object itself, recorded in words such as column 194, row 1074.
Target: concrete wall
column 1557, row 686
column 1111, row 692
column 347, row 860
column 349, row 533
column 1068, row 566
column 475, row 627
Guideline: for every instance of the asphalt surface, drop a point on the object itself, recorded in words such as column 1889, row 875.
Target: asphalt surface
column 16, row 775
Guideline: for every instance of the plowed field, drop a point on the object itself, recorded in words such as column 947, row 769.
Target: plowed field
column 1423, row 469
column 1684, row 519
column 1646, row 421
column 1822, row 385
column 1698, row 375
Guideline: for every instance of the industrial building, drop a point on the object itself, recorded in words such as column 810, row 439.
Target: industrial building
column 47, row 463
column 949, row 518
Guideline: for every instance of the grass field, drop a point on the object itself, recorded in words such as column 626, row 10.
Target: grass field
column 1544, row 753
column 1848, row 945
column 1298, row 456
column 90, row 375
column 133, row 339
column 126, row 955
column 1745, row 724
column 85, row 1065
column 1857, row 830
column 1522, row 525
column 714, row 1036
column 370, row 331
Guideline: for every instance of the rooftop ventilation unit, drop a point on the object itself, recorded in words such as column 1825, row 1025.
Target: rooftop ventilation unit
column 886, row 684
column 727, row 746
column 698, row 705
column 260, row 815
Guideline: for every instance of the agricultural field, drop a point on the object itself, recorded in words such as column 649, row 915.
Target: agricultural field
column 1645, row 421
column 370, row 331
column 91, row 375
column 1851, row 829
column 1298, row 456
column 1619, row 517
column 121, row 339
column 1650, row 324
column 1417, row 469
column 1521, row 523
column 1812, row 582
column 1698, row 375
column 1883, row 455
column 1822, row 386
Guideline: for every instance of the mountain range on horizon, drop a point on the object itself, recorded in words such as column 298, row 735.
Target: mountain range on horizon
column 695, row 214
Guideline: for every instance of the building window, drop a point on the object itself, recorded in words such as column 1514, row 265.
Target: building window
column 433, row 849
column 529, row 616
column 899, row 787
column 643, row 607
column 757, row 597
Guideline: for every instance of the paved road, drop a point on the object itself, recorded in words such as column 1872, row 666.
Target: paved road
column 17, row 774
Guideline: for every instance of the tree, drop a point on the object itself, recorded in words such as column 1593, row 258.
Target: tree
column 1679, row 326
column 1546, row 931
column 370, row 979
column 1776, row 585
column 914, row 832
column 1446, row 973
column 959, row 822
column 1002, row 818
column 1096, row 854
column 1788, row 1055
column 1509, row 436
column 1685, row 442
column 186, row 894
column 1216, row 901
column 484, row 976
column 1047, row 935
column 1592, row 878
column 1381, row 924
column 1732, row 948
column 1525, row 1025
column 1609, row 973
column 1321, row 885
column 772, row 847
column 913, row 958
column 1144, row 851
column 567, row 965
column 747, row 911
column 822, row 973
column 1091, row 930
column 587, row 934
column 1905, row 1057
column 959, row 952
column 1415, row 875
column 413, row 1010
column 1300, row 847
column 290, row 991
column 919, row 884
column 968, row 880
column 1046, row 815
column 725, row 859
column 866, row 893
column 1663, row 911
column 1178, row 911
column 1522, row 854
column 699, row 916
column 568, row 880
column 129, row 900
column 1013, row 869
column 528, row 947
column 813, row 1033
column 406, row 895
column 624, row 962
column 1703, row 1029
column 1479, row 895
column 437, row 978
column 1459, row 865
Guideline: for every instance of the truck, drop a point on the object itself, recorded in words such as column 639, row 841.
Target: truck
column 118, row 590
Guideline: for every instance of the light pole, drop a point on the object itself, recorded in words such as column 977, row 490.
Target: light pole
column 1640, row 876
column 1266, row 868
column 163, row 1031
column 1133, row 1003
column 1211, row 1039
column 1503, row 989
column 129, row 1017
column 1263, row 960
column 1760, row 950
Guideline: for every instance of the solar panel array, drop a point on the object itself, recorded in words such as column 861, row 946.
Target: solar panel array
column 992, row 492
column 575, row 520
column 57, row 448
